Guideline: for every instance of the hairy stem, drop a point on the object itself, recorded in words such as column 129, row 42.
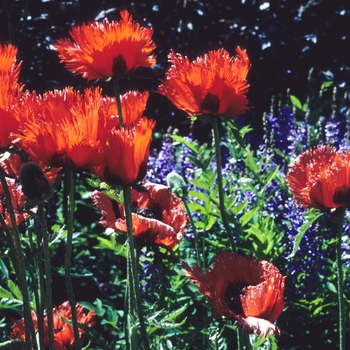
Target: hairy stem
column 220, row 184
column 68, row 257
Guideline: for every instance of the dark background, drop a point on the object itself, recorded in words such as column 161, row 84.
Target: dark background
column 284, row 39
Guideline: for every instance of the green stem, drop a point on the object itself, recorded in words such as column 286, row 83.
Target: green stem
column 220, row 184
column 68, row 257
column 14, row 343
column 339, row 216
column 29, row 327
column 117, row 98
column 47, row 266
column 134, row 285
column 39, row 292
column 196, row 239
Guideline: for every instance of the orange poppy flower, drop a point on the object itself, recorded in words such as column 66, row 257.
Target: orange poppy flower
column 18, row 202
column 320, row 178
column 101, row 50
column 240, row 288
column 65, row 128
column 63, row 332
column 127, row 149
column 10, row 93
column 158, row 216
column 214, row 84
column 133, row 105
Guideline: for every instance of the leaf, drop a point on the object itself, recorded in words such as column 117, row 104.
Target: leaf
column 14, row 290
column 247, row 216
column 250, row 162
column 4, row 269
column 188, row 144
column 236, row 133
column 4, row 293
column 175, row 313
column 310, row 216
column 296, row 102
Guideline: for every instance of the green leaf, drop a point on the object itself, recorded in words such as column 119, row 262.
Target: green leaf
column 296, row 102
column 175, row 313
column 188, row 144
column 4, row 293
column 236, row 133
column 331, row 287
column 14, row 290
column 4, row 269
column 310, row 216
column 250, row 162
column 247, row 216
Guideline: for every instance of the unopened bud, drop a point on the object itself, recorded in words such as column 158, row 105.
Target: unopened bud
column 177, row 184
column 34, row 183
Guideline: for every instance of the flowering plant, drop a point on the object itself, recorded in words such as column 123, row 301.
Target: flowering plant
column 119, row 234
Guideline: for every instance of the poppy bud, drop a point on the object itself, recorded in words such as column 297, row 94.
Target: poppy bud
column 34, row 183
column 177, row 184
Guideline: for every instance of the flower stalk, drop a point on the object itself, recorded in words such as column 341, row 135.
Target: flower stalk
column 339, row 218
column 68, row 256
column 118, row 100
column 220, row 184
column 29, row 328
column 133, row 287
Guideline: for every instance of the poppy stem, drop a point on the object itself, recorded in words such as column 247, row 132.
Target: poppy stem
column 70, row 225
column 47, row 266
column 339, row 217
column 40, row 303
column 133, row 288
column 220, row 184
column 29, row 327
column 196, row 240
column 118, row 101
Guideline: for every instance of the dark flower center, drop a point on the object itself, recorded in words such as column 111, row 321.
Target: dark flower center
column 342, row 195
column 211, row 103
column 155, row 213
column 232, row 296
column 119, row 66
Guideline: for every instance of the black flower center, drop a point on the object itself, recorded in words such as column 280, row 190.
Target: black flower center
column 211, row 103
column 342, row 195
column 232, row 296
column 154, row 213
column 119, row 66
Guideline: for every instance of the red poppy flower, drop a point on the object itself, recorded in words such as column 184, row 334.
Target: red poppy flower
column 18, row 202
column 65, row 128
column 158, row 216
column 214, row 84
column 101, row 50
column 243, row 289
column 127, row 150
column 10, row 92
column 320, row 178
column 63, row 332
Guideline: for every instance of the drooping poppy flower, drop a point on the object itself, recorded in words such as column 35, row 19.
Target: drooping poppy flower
column 127, row 149
column 63, row 331
column 10, row 93
column 214, row 84
column 101, row 50
column 158, row 216
column 18, row 202
column 320, row 178
column 64, row 128
column 240, row 288
column 13, row 163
